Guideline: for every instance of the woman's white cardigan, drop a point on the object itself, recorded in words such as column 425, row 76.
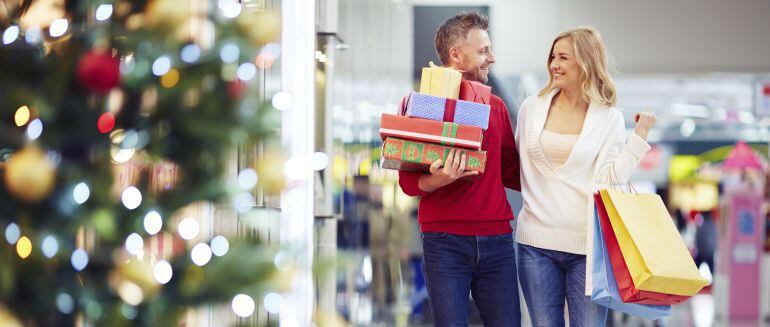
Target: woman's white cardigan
column 600, row 147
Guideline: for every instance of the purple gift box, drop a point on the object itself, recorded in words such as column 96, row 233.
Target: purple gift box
column 449, row 110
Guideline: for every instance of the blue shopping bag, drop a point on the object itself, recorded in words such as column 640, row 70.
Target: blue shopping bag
column 605, row 288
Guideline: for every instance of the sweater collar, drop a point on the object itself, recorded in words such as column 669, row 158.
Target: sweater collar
column 584, row 151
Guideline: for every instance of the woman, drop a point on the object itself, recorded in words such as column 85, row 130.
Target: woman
column 569, row 136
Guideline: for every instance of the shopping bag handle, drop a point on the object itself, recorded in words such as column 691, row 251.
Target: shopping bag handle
column 614, row 181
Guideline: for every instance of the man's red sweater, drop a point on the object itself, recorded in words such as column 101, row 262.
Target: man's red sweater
column 478, row 207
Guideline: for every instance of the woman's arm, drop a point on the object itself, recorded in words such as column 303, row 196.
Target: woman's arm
column 623, row 157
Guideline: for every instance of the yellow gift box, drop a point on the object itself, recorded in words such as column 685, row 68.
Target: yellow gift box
column 440, row 81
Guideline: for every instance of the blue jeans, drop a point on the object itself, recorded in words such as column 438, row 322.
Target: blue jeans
column 483, row 266
column 547, row 279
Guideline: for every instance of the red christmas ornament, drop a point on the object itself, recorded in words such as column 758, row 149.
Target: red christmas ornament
column 236, row 89
column 106, row 122
column 99, row 71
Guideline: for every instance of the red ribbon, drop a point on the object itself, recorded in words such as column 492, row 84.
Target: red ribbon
column 449, row 110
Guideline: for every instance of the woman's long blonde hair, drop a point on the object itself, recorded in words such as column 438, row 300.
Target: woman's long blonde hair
column 595, row 80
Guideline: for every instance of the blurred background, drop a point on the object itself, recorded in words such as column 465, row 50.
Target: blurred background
column 697, row 64
column 330, row 68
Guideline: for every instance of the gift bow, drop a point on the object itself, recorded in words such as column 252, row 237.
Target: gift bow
column 432, row 65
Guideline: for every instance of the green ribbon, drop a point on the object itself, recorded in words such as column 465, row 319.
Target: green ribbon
column 450, row 130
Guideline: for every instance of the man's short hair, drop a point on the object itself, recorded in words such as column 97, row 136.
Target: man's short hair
column 455, row 29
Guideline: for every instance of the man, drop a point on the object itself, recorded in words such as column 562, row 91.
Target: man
column 465, row 224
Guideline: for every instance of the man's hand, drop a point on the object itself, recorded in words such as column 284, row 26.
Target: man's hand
column 452, row 170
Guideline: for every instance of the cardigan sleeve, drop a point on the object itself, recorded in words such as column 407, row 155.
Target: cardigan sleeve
column 520, row 121
column 622, row 157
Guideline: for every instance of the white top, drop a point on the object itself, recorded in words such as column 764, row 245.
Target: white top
column 557, row 146
column 558, row 201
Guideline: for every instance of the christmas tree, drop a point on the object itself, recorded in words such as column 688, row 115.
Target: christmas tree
column 117, row 115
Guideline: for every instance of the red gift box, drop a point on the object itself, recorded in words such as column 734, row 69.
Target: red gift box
column 628, row 292
column 406, row 155
column 426, row 130
column 475, row 92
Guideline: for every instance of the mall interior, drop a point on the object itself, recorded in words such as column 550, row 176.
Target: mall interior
column 219, row 162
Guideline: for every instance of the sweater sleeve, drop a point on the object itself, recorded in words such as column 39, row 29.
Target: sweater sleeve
column 409, row 181
column 509, row 155
column 622, row 157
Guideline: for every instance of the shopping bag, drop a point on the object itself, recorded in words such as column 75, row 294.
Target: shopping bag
column 655, row 254
column 628, row 293
column 605, row 290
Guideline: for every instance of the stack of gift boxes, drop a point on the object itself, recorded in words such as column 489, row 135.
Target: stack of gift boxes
column 447, row 113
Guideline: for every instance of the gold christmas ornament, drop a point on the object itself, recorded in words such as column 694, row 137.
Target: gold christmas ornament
column 30, row 175
column 133, row 273
column 167, row 14
column 270, row 172
column 260, row 27
column 7, row 318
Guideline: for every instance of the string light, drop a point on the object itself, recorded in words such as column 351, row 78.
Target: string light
column 58, row 27
column 103, row 12
column 24, row 247
column 153, row 222
column 244, row 202
column 106, row 122
column 191, row 53
column 81, row 193
column 134, row 244
column 131, row 198
column 65, row 303
column 50, row 246
column 161, row 66
column 21, row 117
column 273, row 302
column 282, row 100
column 162, row 272
column 219, row 246
column 246, row 71
column 229, row 53
column 79, row 259
column 11, row 34
column 188, row 228
column 282, row 261
column 35, row 129
column 265, row 60
column 232, row 10
column 247, row 179
column 200, row 254
column 12, row 233
column 32, row 36
column 243, row 305
column 170, row 79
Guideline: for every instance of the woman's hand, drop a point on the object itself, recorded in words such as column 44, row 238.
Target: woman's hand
column 644, row 122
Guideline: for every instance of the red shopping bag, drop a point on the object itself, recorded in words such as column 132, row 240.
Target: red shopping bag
column 628, row 291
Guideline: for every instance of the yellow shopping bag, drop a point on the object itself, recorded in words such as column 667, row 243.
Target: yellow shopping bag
column 440, row 81
column 655, row 253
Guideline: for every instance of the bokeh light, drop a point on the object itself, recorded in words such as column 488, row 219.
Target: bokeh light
column 24, row 247
column 243, row 305
column 153, row 222
column 22, row 115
